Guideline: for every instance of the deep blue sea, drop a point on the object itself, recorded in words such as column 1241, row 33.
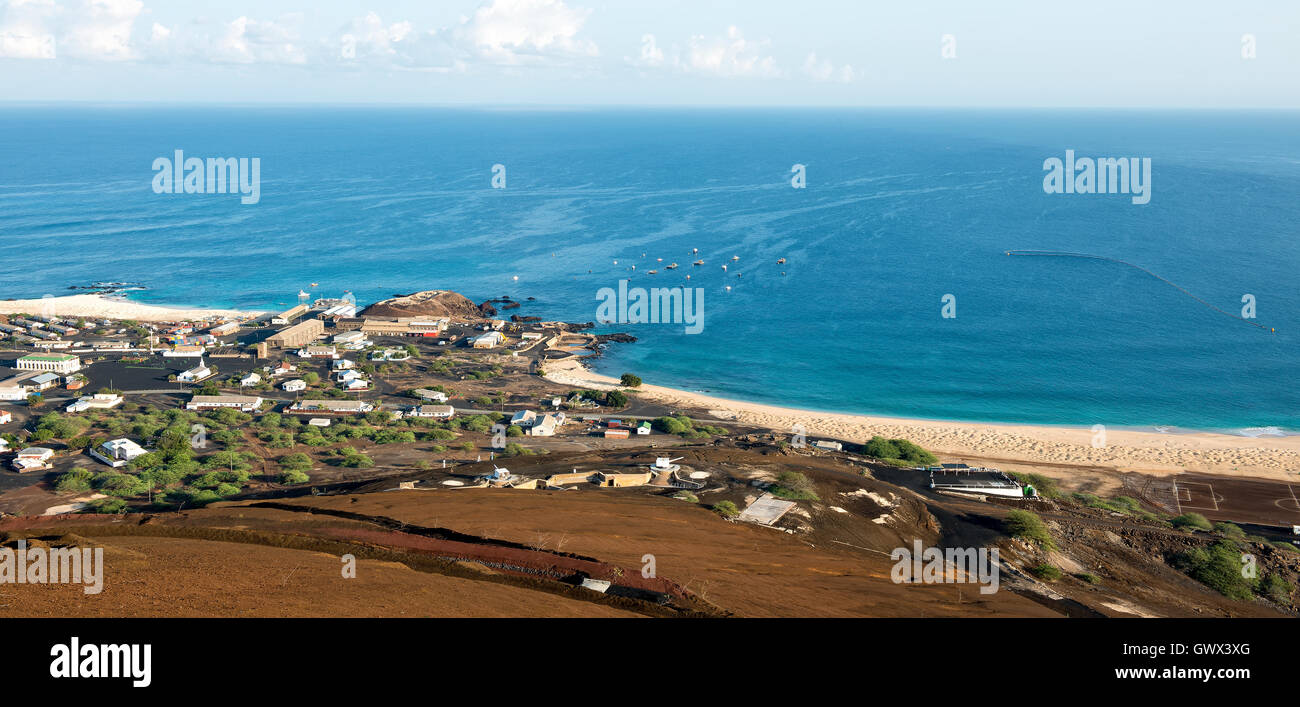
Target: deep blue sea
column 901, row 208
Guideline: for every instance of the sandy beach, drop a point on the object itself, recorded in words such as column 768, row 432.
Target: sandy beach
column 87, row 305
column 1124, row 450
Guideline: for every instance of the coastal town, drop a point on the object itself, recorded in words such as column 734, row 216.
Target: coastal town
column 433, row 395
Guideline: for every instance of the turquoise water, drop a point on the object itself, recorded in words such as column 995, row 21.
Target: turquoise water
column 901, row 208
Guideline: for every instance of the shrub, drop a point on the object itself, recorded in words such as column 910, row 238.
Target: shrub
column 898, row 450
column 118, row 484
column 357, row 460
column 726, row 509
column 514, row 449
column 1230, row 530
column 1276, row 589
column 1089, row 577
column 1217, row 567
column 293, row 476
column 1193, row 521
column 295, row 462
column 631, row 380
column 1045, row 486
column 1026, row 525
column 75, row 480
column 615, row 398
column 671, row 425
column 686, row 496
column 793, row 486
column 1045, row 572
column 105, row 505
column 192, row 497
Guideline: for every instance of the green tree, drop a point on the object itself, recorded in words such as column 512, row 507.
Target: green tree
column 631, row 380
column 726, row 509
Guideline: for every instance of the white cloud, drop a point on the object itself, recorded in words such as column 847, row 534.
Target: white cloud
column 101, row 30
column 729, row 56
column 368, row 41
column 501, row 32
column 824, row 70
column 521, row 31
column 26, row 31
column 94, row 30
column 240, row 41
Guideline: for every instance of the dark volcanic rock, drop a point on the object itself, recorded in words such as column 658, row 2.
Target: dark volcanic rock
column 429, row 303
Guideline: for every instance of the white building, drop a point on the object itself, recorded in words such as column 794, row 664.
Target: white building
column 295, row 385
column 346, row 375
column 250, row 380
column 55, row 363
column 283, row 368
column 44, row 381
column 436, row 396
column 356, row 337
column 343, row 364
column 331, row 407
column 524, row 418
column 196, row 374
column 32, row 458
column 487, row 340
column 6, row 416
column 318, row 352
column 118, row 452
column 544, row 426
column 436, row 411
column 244, row 403
column 99, row 401
column 185, row 352
column 357, row 384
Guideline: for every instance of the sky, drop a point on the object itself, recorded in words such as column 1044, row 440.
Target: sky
column 1229, row 54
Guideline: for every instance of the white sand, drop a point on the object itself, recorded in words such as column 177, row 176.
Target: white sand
column 1125, row 450
column 101, row 307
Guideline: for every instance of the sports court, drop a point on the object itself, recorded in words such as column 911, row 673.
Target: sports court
column 1237, row 499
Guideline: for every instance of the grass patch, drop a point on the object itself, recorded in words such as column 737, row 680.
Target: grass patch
column 1026, row 525
column 1045, row 572
column 1191, row 521
column 1045, row 486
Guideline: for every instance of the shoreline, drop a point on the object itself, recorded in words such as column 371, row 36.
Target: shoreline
column 99, row 306
column 1126, row 449
column 1152, row 452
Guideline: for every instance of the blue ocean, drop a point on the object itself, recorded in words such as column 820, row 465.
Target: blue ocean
column 901, row 208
